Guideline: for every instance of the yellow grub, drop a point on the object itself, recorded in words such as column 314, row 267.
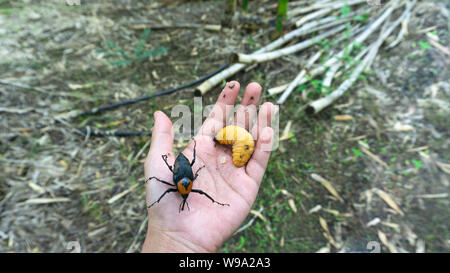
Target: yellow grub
column 242, row 141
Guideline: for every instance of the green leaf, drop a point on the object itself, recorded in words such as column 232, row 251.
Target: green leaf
column 356, row 152
column 241, row 242
column 361, row 18
column 301, row 88
column 345, row 10
column 417, row 163
column 424, row 45
column 142, row 41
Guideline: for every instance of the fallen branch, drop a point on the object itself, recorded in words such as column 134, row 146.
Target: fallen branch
column 299, row 77
column 440, row 47
column 327, row 5
column 333, row 71
column 358, row 40
column 403, row 31
column 311, row 16
column 363, row 36
column 233, row 69
column 264, row 57
column 318, row 105
column 277, row 89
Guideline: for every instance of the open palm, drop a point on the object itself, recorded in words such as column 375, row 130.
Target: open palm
column 206, row 225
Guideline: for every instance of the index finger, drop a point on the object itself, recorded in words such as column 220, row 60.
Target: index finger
column 222, row 110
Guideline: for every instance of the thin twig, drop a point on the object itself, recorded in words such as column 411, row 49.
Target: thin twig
column 141, row 228
column 144, row 25
column 24, row 86
column 327, row 5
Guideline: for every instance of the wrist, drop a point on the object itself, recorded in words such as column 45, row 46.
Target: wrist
column 164, row 241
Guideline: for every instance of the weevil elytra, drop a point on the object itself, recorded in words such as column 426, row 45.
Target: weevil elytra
column 183, row 179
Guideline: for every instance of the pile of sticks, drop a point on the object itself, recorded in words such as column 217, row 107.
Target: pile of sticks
column 326, row 20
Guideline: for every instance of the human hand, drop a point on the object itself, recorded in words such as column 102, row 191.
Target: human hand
column 206, row 226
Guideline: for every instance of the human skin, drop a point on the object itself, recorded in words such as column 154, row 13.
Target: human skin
column 207, row 225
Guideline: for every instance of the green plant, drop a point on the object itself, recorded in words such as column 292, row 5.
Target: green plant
column 245, row 5
column 417, row 163
column 356, row 152
column 121, row 58
column 424, row 45
column 345, row 10
column 241, row 242
column 361, row 18
column 282, row 14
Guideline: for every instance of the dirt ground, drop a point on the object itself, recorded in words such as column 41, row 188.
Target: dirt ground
column 394, row 149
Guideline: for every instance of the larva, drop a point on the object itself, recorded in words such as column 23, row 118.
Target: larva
column 242, row 141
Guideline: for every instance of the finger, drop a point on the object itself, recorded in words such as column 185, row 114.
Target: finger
column 246, row 111
column 266, row 112
column 222, row 110
column 162, row 136
column 257, row 164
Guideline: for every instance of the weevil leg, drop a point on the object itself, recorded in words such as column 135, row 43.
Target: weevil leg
column 193, row 160
column 164, row 157
column 210, row 198
column 162, row 181
column 196, row 173
column 162, row 195
column 181, row 206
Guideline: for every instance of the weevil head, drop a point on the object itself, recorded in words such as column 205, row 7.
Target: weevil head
column 184, row 186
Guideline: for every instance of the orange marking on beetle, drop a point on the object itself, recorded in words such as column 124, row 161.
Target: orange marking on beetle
column 182, row 189
column 242, row 141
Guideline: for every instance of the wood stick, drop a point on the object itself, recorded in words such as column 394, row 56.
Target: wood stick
column 311, row 16
column 361, row 38
column 277, row 89
column 300, row 76
column 364, row 35
column 233, row 69
column 264, row 57
column 333, row 71
column 318, row 105
column 315, row 72
column 331, row 5
column 401, row 33
column 331, row 18
column 145, row 25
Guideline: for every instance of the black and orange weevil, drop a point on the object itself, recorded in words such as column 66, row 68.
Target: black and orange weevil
column 183, row 179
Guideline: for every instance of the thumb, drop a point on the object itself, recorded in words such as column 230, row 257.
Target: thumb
column 162, row 135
